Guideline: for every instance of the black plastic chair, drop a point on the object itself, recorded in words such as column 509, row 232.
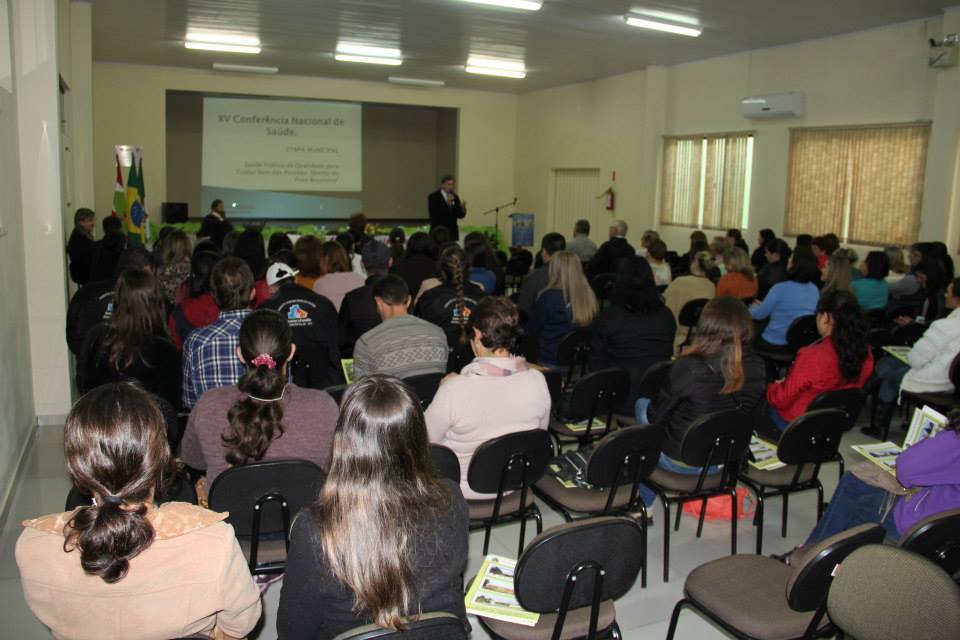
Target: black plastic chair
column 571, row 575
column 801, row 333
column 430, row 626
column 508, row 467
column 655, row 379
column 529, row 347
column 260, row 498
column 756, row 597
column 425, row 386
column 573, row 352
column 809, row 441
column 942, row 402
column 906, row 335
column 602, row 285
column 445, row 462
column 937, row 538
column 720, row 438
column 851, row 402
column 689, row 316
column 615, row 469
column 596, row 395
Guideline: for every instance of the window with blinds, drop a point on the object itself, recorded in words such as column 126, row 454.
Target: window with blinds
column 863, row 183
column 706, row 180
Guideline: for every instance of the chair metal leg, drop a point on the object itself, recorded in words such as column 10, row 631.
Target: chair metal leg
column 486, row 537
column 675, row 618
column 819, row 501
column 666, row 539
column 703, row 513
column 758, row 520
column 539, row 518
column 523, row 531
column 643, row 545
column 676, row 524
column 783, row 520
column 733, row 521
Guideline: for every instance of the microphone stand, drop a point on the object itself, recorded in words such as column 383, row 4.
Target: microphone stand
column 496, row 210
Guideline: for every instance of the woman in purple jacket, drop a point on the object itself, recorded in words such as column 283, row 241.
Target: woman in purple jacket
column 929, row 470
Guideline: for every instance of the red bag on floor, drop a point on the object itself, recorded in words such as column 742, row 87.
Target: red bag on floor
column 718, row 507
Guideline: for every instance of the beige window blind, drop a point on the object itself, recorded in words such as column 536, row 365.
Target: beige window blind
column 863, row 183
column 706, row 180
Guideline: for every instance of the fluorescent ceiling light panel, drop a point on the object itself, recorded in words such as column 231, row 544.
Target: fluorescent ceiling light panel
column 223, row 38
column 503, row 73
column 496, row 67
column 228, row 48
column 346, row 57
column 656, row 25
column 244, row 68
column 417, row 82
column 526, row 5
column 367, row 51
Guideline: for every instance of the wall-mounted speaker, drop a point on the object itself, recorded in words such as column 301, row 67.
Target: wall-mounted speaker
column 174, row 212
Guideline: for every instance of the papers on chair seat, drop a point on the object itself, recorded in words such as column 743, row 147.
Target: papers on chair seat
column 764, row 455
column 492, row 596
column 347, row 365
column 926, row 422
column 900, row 353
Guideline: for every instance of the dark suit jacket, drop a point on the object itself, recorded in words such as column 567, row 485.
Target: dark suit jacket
column 442, row 215
column 214, row 228
column 608, row 257
column 358, row 314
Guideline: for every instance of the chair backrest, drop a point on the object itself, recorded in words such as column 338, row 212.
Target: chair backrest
column 509, row 462
column 811, row 577
column 717, row 438
column 249, row 489
column 802, row 332
column 886, row 592
column 690, row 313
column 445, row 462
column 813, row 438
column 425, row 386
column 430, row 626
column 907, row 334
column 336, row 392
column 573, row 348
column 529, row 347
column 937, row 538
column 599, row 393
column 654, row 379
column 954, row 373
column 602, row 285
column 850, row 401
column 624, row 456
column 605, row 544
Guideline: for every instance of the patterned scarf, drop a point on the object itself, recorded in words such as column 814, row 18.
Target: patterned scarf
column 496, row 367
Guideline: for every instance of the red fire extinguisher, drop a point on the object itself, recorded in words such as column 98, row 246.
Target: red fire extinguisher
column 611, row 199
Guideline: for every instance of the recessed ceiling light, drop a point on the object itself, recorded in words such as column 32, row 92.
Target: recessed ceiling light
column 347, row 52
column 417, row 82
column 527, row 5
column 244, row 68
column 346, row 57
column 229, row 48
column 496, row 67
column 656, row 25
column 230, row 43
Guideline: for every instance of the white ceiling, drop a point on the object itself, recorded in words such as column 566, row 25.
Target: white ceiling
column 566, row 41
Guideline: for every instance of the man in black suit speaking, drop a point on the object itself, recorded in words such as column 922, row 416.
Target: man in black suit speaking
column 446, row 208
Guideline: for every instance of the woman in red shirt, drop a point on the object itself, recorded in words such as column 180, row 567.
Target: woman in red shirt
column 841, row 359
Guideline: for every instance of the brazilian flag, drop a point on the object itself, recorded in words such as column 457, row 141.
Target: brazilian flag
column 134, row 214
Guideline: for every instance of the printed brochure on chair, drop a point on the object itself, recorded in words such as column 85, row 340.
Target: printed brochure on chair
column 491, row 595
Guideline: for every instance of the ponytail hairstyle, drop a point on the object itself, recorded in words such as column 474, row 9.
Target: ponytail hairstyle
column 725, row 329
column 255, row 419
column 454, row 271
column 849, row 335
column 138, row 314
column 704, row 262
column 115, row 444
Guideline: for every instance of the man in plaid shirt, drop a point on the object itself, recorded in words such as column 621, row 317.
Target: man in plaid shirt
column 210, row 353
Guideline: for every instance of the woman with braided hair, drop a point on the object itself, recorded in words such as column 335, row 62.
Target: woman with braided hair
column 450, row 304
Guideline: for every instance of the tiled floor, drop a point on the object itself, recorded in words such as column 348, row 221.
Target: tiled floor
column 642, row 613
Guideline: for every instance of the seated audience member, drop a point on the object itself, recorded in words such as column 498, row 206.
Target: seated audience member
column 657, row 258
column 786, row 301
column 309, row 253
column 107, row 250
column 229, row 243
column 927, row 369
column 759, row 257
column 838, row 274
column 646, row 240
column 690, row 287
column 480, row 273
column 313, row 323
column 734, row 238
column 851, row 256
column 739, row 281
column 494, row 395
column 440, row 237
column 397, row 242
column 611, row 252
column 278, row 242
column 338, row 277
column 872, row 290
column 933, row 284
column 264, row 416
column 215, row 226
column 250, row 249
column 777, row 254
column 698, row 242
column 197, row 308
column 929, row 475
column 567, row 303
column 492, row 261
column 841, row 359
column 402, row 345
column 419, row 262
column 349, row 244
column 175, row 270
column 804, row 240
column 357, row 227
column 450, row 304
column 93, row 302
column 536, row 281
column 209, row 353
column 823, row 247
column 124, row 565
column 80, row 246
column 358, row 311
column 386, row 539
column 717, row 246
column 636, row 330
column 133, row 342
column 900, row 281
column 580, row 243
column 719, row 372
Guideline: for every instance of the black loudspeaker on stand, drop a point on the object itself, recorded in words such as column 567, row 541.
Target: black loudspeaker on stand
column 174, row 212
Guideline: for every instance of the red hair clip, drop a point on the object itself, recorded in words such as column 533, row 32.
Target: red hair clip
column 264, row 359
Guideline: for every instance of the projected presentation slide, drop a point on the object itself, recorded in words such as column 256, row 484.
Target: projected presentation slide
column 281, row 145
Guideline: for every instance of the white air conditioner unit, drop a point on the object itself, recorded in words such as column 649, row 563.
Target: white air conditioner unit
column 775, row 105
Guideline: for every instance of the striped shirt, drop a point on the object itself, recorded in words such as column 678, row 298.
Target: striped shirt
column 210, row 356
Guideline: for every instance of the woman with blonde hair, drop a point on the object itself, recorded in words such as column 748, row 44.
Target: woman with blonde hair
column 386, row 539
column 568, row 302
column 338, row 277
column 837, row 274
column 739, row 281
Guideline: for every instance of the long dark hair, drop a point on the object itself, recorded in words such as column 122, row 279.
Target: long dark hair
column 138, row 314
column 725, row 329
column 634, row 288
column 116, row 450
column 250, row 249
column 454, row 270
column 849, row 334
column 380, row 489
column 255, row 419
column 201, row 266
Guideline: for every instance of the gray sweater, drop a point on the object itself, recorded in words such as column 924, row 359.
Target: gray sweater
column 401, row 346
